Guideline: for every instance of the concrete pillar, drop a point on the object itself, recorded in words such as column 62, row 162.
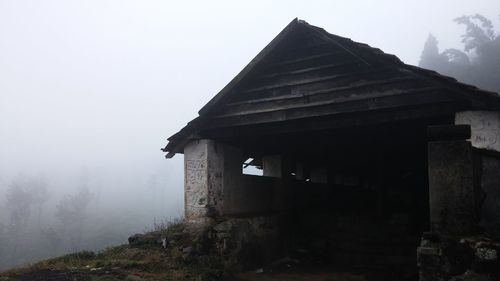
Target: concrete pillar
column 209, row 167
column 272, row 166
column 451, row 187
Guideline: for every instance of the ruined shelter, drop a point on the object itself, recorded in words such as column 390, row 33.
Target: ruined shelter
column 360, row 155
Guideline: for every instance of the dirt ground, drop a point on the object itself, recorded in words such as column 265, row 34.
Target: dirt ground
column 282, row 274
column 291, row 275
column 324, row 273
column 300, row 276
column 55, row 275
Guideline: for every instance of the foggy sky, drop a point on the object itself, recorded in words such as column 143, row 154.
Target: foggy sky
column 102, row 84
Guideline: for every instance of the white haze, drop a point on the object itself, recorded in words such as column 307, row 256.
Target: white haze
column 98, row 86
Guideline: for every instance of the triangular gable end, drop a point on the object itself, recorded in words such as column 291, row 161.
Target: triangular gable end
column 297, row 45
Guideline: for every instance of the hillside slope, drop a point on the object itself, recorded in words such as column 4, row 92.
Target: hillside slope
column 174, row 253
column 165, row 254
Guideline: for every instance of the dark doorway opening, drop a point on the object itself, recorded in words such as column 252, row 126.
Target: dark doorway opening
column 361, row 200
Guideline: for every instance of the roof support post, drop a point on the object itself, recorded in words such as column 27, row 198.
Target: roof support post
column 272, row 166
column 209, row 166
column 451, row 185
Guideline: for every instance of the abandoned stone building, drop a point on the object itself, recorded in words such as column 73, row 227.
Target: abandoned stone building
column 363, row 158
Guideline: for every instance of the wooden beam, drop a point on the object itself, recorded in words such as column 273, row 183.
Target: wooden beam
column 304, row 49
column 321, row 100
column 303, row 58
column 293, row 81
column 297, row 92
column 354, row 119
column 393, row 101
column 448, row 132
column 309, row 69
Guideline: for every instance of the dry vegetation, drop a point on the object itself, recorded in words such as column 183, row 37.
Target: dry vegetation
column 145, row 258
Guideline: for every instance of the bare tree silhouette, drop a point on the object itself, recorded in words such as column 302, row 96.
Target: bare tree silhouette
column 71, row 212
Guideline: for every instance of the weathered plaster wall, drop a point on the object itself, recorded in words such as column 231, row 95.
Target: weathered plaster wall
column 485, row 128
column 202, row 180
column 253, row 195
column 226, row 171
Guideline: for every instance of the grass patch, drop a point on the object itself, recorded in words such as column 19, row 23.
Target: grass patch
column 144, row 259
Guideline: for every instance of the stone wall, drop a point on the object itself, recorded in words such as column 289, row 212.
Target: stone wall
column 454, row 258
column 248, row 242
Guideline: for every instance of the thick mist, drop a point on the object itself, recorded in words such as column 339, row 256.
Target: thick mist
column 91, row 90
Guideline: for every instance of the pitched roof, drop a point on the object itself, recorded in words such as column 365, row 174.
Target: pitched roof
column 306, row 72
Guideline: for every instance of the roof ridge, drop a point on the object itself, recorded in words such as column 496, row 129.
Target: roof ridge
column 251, row 65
